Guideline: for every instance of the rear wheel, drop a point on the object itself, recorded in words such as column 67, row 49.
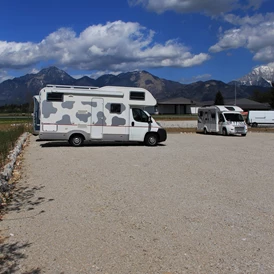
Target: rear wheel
column 151, row 139
column 224, row 131
column 205, row 131
column 254, row 125
column 76, row 140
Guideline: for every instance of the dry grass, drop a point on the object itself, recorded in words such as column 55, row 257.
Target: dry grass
column 9, row 133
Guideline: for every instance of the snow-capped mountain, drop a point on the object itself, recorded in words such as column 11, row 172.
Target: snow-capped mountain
column 260, row 76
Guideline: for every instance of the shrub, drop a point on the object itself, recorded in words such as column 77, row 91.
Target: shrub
column 8, row 139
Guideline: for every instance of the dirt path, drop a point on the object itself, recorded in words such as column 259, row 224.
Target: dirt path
column 197, row 204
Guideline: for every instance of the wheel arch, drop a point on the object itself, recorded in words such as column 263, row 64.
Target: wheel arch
column 78, row 132
column 152, row 132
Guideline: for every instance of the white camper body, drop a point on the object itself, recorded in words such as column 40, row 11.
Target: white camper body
column 108, row 113
column 226, row 120
column 257, row 117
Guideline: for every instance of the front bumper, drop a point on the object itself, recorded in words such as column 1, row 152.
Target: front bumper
column 237, row 130
column 162, row 135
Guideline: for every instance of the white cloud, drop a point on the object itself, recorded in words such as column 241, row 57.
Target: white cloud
column 186, row 6
column 18, row 55
column 78, row 76
column 250, row 20
column 4, row 75
column 257, row 38
column 115, row 46
column 202, row 77
column 34, row 71
column 271, row 65
column 265, row 54
column 97, row 74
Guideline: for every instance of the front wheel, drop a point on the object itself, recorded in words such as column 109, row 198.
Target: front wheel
column 76, row 140
column 205, row 131
column 244, row 134
column 254, row 125
column 151, row 139
column 224, row 131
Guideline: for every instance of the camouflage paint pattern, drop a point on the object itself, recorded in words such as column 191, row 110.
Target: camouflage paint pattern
column 65, row 120
column 101, row 119
column 116, row 121
column 48, row 109
column 83, row 117
column 89, row 103
column 68, row 104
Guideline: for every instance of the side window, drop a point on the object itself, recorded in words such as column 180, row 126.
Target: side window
column 221, row 118
column 213, row 116
column 201, row 113
column 115, row 108
column 137, row 95
column 206, row 116
column 139, row 115
column 55, row 97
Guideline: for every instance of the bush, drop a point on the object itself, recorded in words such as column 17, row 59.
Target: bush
column 8, row 139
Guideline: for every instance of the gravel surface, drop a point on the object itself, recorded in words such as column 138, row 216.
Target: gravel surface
column 196, row 204
column 180, row 124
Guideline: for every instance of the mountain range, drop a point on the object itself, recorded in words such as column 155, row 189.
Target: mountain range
column 21, row 89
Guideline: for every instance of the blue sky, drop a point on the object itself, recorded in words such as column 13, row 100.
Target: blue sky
column 180, row 40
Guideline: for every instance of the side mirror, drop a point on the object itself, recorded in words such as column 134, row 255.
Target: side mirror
column 149, row 120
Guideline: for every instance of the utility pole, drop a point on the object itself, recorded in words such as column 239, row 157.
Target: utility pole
column 235, row 94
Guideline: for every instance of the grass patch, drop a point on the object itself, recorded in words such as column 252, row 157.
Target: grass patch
column 9, row 133
column 175, row 117
column 15, row 120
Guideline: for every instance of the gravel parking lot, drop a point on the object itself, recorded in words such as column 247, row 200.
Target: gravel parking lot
column 195, row 204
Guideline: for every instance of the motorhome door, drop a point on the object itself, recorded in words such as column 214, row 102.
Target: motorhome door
column 212, row 120
column 98, row 119
column 139, row 125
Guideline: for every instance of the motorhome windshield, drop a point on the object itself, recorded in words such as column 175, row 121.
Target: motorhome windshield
column 234, row 117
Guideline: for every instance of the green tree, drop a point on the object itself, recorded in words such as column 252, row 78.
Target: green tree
column 219, row 99
column 261, row 97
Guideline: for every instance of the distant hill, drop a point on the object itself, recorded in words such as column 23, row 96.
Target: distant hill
column 21, row 89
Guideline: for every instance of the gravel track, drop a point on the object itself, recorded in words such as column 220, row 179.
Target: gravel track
column 196, row 204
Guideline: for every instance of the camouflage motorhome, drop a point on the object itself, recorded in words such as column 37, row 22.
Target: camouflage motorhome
column 108, row 113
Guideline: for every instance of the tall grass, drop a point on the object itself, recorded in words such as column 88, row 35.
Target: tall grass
column 8, row 138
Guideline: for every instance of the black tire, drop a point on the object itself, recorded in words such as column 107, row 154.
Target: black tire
column 151, row 139
column 205, row 131
column 76, row 140
column 254, row 125
column 244, row 134
column 224, row 131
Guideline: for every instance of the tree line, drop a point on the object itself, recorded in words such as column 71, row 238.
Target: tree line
column 17, row 108
column 266, row 97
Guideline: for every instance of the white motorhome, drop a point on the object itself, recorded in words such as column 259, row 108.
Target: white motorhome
column 36, row 115
column 108, row 113
column 257, row 117
column 226, row 120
